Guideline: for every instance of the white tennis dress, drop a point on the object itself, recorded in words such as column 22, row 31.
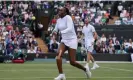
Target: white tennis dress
column 66, row 27
column 88, row 36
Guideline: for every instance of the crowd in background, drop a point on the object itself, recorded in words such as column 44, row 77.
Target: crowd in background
column 16, row 37
column 15, row 13
column 110, row 44
column 99, row 14
column 17, row 18
column 125, row 15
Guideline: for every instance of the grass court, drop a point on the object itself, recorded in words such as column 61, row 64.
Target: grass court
column 48, row 71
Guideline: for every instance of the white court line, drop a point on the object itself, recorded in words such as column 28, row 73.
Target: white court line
column 13, row 70
column 113, row 62
column 25, row 70
column 67, row 78
column 37, row 64
column 104, row 62
column 118, row 69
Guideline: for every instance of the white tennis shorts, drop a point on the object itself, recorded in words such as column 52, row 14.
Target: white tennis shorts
column 89, row 48
column 89, row 45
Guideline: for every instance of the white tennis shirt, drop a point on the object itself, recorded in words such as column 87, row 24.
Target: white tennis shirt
column 66, row 27
column 88, row 34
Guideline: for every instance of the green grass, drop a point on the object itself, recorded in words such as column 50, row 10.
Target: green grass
column 47, row 71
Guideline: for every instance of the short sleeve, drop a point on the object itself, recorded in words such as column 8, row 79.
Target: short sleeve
column 93, row 29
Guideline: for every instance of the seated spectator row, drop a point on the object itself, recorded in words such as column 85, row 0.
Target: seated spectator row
column 21, row 41
column 110, row 45
column 16, row 37
column 98, row 13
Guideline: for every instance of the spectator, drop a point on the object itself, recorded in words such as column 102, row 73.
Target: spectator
column 98, row 47
column 15, row 43
column 38, row 51
column 121, row 51
column 111, row 43
column 111, row 49
column 2, row 46
column 117, row 46
column 54, row 46
column 130, row 43
column 31, row 50
column 122, row 15
column 126, row 45
column 107, row 16
column 10, row 48
column 103, row 38
column 103, row 20
column 121, row 40
column 53, row 21
column 40, row 28
column 118, row 22
column 104, row 49
column 17, row 53
column 114, row 38
column 79, row 38
column 130, row 49
column 120, row 8
column 131, row 20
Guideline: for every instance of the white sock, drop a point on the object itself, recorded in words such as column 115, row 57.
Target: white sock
column 61, row 74
column 87, row 63
column 94, row 63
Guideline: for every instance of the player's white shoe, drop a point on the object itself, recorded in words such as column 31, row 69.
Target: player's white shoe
column 88, row 73
column 60, row 77
column 95, row 66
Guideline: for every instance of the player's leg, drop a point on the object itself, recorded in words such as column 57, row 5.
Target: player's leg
column 95, row 65
column 88, row 55
column 72, row 54
column 61, row 51
column 88, row 59
column 91, row 58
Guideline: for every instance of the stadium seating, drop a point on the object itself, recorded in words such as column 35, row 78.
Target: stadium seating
column 42, row 45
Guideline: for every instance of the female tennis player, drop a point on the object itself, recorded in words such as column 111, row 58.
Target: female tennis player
column 69, row 42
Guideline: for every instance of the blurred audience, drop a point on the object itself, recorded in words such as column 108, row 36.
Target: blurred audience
column 16, row 18
column 99, row 13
